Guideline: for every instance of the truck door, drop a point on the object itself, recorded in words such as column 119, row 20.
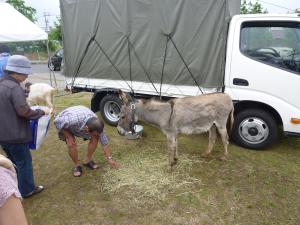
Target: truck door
column 265, row 67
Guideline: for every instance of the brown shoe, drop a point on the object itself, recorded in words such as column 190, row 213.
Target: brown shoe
column 36, row 190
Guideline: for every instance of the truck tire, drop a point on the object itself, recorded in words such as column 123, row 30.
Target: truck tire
column 110, row 107
column 254, row 129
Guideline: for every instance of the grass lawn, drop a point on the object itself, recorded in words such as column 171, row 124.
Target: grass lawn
column 252, row 187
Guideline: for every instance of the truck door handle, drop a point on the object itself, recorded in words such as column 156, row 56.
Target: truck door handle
column 240, row 82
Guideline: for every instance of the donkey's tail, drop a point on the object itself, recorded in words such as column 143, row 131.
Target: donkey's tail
column 230, row 120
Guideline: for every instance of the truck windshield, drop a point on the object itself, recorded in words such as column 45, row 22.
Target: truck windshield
column 274, row 43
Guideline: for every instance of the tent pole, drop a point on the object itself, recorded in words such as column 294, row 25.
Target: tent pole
column 48, row 53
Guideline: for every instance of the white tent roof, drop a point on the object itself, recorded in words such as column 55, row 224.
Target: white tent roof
column 16, row 27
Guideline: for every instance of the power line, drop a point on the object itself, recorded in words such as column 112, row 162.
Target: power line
column 48, row 15
column 51, row 15
column 279, row 6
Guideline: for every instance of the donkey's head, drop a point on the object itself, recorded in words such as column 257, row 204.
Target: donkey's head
column 127, row 115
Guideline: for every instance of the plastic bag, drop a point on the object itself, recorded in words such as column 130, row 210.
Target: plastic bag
column 39, row 129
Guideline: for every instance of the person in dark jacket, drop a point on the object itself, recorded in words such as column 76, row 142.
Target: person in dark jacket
column 15, row 133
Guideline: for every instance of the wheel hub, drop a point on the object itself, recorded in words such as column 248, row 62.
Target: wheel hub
column 112, row 110
column 253, row 130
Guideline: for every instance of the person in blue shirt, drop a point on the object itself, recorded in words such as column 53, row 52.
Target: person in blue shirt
column 4, row 55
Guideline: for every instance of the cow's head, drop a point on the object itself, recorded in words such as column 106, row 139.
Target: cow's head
column 128, row 117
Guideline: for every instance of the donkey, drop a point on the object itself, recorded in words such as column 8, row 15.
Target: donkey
column 189, row 115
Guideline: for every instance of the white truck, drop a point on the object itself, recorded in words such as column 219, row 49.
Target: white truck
column 188, row 47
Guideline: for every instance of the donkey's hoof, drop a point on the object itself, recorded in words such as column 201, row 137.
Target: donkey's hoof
column 224, row 157
column 173, row 163
column 204, row 155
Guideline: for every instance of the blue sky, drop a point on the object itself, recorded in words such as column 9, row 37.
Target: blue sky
column 280, row 6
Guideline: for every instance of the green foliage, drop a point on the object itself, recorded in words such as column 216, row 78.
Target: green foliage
column 27, row 11
column 27, row 47
column 250, row 8
column 55, row 36
column 55, row 33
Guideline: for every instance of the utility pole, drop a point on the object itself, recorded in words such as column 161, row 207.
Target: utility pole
column 47, row 30
column 46, row 15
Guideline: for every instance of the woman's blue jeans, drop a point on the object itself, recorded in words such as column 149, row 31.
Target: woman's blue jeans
column 20, row 155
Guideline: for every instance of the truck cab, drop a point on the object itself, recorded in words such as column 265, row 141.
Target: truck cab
column 263, row 76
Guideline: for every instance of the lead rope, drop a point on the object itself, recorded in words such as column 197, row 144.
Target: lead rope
column 163, row 67
column 187, row 67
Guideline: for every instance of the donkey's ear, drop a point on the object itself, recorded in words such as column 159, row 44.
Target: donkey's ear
column 123, row 96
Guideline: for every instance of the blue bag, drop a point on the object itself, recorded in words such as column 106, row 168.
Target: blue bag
column 39, row 130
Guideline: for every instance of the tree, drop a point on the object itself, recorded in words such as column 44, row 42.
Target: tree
column 250, row 8
column 55, row 32
column 27, row 11
column 55, row 36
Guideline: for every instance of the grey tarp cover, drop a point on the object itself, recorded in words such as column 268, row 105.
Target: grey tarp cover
column 131, row 36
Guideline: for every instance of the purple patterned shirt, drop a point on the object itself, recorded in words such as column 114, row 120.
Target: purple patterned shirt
column 74, row 119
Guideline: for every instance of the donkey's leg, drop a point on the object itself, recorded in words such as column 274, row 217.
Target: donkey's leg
column 224, row 137
column 176, row 151
column 49, row 103
column 52, row 103
column 211, row 141
column 172, row 149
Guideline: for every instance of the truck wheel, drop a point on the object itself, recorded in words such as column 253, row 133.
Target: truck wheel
column 254, row 129
column 110, row 107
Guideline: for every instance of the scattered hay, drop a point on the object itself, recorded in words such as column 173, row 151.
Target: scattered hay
column 149, row 177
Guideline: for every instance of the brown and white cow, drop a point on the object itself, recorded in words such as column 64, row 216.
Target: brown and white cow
column 189, row 115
